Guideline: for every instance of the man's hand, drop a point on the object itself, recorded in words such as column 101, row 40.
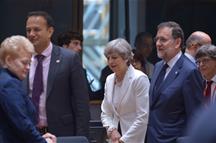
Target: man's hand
column 50, row 138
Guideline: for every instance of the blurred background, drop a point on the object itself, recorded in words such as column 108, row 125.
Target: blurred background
column 102, row 20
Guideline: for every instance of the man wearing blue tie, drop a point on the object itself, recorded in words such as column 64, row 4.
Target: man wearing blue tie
column 178, row 94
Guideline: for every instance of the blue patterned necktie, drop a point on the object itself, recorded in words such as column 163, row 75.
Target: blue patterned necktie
column 38, row 83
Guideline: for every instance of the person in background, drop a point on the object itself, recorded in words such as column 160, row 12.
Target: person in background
column 144, row 44
column 202, row 128
column 206, row 62
column 56, row 81
column 104, row 73
column 176, row 88
column 194, row 41
column 73, row 40
column 138, row 61
column 17, row 113
column 125, row 106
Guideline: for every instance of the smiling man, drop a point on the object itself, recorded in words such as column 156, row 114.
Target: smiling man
column 56, row 81
column 206, row 62
column 176, row 87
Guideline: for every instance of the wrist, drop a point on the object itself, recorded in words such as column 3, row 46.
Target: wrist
column 111, row 129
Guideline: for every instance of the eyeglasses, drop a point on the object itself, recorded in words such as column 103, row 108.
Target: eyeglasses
column 161, row 39
column 204, row 61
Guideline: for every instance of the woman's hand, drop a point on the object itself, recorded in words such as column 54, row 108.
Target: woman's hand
column 50, row 138
column 115, row 136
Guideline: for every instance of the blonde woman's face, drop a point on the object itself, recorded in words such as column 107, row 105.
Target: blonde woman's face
column 19, row 65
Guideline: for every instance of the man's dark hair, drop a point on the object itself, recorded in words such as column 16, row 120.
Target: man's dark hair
column 140, row 37
column 177, row 31
column 45, row 15
column 65, row 38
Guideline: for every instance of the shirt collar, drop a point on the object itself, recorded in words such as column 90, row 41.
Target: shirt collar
column 172, row 62
column 190, row 57
column 47, row 52
column 214, row 78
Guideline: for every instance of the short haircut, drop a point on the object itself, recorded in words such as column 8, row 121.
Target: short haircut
column 65, row 38
column 12, row 45
column 206, row 50
column 140, row 37
column 121, row 47
column 193, row 39
column 45, row 15
column 177, row 31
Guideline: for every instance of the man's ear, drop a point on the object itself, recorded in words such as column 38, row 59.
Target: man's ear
column 51, row 30
column 178, row 42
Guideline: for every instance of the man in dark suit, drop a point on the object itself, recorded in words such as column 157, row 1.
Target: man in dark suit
column 62, row 104
column 203, row 128
column 175, row 97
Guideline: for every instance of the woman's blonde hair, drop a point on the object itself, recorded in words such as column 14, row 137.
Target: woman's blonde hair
column 12, row 45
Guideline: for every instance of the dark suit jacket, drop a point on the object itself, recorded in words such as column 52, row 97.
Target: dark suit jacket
column 99, row 94
column 17, row 113
column 203, row 128
column 67, row 103
column 178, row 96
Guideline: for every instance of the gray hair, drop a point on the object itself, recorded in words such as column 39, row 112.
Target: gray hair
column 206, row 50
column 121, row 47
column 12, row 45
column 177, row 31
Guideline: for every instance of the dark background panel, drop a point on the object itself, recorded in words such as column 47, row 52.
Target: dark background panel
column 192, row 15
column 66, row 15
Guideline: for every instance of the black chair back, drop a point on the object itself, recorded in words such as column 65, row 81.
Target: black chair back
column 72, row 139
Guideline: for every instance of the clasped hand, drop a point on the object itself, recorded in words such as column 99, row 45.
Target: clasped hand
column 50, row 138
column 115, row 136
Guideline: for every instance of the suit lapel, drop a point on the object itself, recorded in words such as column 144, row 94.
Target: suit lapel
column 110, row 90
column 169, row 79
column 153, row 81
column 125, row 85
column 53, row 68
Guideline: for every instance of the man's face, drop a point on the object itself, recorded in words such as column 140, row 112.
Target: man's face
column 38, row 32
column 207, row 67
column 167, row 46
column 75, row 45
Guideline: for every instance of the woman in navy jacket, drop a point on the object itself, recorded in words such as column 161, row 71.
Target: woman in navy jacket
column 17, row 113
